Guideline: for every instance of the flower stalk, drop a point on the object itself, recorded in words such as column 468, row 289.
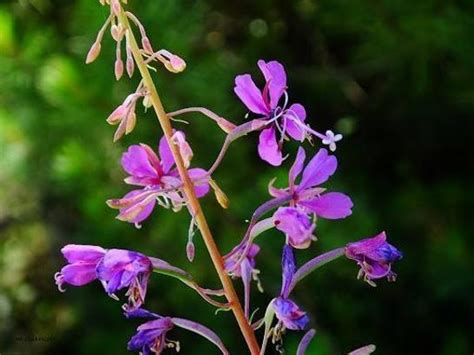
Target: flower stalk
column 193, row 203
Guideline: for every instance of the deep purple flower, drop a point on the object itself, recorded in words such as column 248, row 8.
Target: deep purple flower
column 158, row 178
column 151, row 336
column 116, row 269
column 284, row 119
column 290, row 314
column 288, row 267
column 375, row 257
column 296, row 225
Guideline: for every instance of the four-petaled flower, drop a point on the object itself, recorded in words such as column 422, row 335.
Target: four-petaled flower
column 116, row 269
column 308, row 198
column 375, row 257
column 287, row 121
column 158, row 178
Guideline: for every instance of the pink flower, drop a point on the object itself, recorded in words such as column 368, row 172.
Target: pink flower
column 283, row 119
column 158, row 178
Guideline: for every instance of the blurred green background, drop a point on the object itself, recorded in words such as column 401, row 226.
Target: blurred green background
column 395, row 77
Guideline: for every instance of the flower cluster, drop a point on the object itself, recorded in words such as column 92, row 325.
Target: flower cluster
column 165, row 178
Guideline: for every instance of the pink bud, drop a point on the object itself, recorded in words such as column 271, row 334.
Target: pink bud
column 175, row 64
column 118, row 68
column 117, row 115
column 147, row 45
column 190, row 251
column 130, row 63
column 184, row 148
column 93, row 52
column 116, row 7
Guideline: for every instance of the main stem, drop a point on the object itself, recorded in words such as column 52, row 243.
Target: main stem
column 193, row 202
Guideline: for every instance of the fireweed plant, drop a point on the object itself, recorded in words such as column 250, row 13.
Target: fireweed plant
column 163, row 176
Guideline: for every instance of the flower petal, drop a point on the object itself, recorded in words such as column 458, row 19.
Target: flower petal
column 200, row 179
column 290, row 314
column 298, row 113
column 297, row 166
column 78, row 253
column 79, row 274
column 303, row 345
column 166, row 156
column 289, row 269
column 318, row 170
column 135, row 162
column 333, row 205
column 275, row 76
column 250, row 95
column 140, row 210
column 268, row 148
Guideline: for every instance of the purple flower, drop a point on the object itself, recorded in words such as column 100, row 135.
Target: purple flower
column 151, row 336
column 296, row 225
column 282, row 119
column 308, row 198
column 290, row 314
column 243, row 267
column 158, row 178
column 116, row 269
column 307, row 195
column 81, row 270
column 375, row 257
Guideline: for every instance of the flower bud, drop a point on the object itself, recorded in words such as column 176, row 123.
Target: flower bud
column 118, row 69
column 93, row 53
column 147, row 101
column 190, row 251
column 221, row 197
column 117, row 115
column 147, row 45
column 175, row 64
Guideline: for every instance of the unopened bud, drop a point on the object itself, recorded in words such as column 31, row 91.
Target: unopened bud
column 130, row 63
column 93, row 53
column 176, row 64
column 131, row 121
column 147, row 101
column 190, row 251
column 221, row 197
column 118, row 69
column 117, row 115
column 116, row 7
column 184, row 148
column 147, row 45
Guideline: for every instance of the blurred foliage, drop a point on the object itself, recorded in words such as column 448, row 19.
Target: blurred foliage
column 394, row 76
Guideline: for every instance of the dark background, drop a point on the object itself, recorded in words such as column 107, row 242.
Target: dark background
column 395, row 77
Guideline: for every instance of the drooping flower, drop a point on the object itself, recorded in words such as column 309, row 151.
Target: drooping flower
column 243, row 267
column 120, row 269
column 283, row 120
column 116, row 269
column 151, row 337
column 307, row 198
column 296, row 225
column 375, row 257
column 159, row 179
column 287, row 311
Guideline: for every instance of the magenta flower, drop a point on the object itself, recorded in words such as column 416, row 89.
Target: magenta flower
column 159, row 179
column 151, row 336
column 116, row 269
column 282, row 119
column 296, row 225
column 308, row 198
column 375, row 257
